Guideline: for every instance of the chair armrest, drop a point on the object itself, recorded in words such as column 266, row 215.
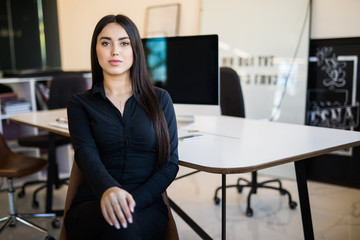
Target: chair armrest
column 171, row 231
column 74, row 182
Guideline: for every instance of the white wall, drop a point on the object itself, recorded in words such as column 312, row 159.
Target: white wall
column 335, row 19
column 77, row 20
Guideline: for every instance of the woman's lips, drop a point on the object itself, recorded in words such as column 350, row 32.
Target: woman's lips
column 115, row 62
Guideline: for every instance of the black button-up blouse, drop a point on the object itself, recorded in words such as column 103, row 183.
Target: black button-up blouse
column 115, row 150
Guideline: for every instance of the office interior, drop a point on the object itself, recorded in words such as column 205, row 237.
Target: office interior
column 327, row 19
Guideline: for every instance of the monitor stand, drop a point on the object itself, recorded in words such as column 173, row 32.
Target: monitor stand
column 185, row 113
column 183, row 120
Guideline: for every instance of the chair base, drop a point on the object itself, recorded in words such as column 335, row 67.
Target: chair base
column 254, row 185
column 11, row 220
column 14, row 217
column 35, row 203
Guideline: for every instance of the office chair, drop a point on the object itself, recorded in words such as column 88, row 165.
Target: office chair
column 15, row 165
column 75, row 181
column 62, row 87
column 232, row 104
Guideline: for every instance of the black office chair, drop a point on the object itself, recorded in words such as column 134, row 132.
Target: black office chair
column 62, row 87
column 15, row 165
column 232, row 104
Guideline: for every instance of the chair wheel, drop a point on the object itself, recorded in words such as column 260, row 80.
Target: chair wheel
column 56, row 223
column 282, row 192
column 217, row 200
column 12, row 224
column 249, row 212
column 21, row 194
column 239, row 188
column 49, row 238
column 292, row 205
column 35, row 204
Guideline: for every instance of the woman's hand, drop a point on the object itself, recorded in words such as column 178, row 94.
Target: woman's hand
column 117, row 206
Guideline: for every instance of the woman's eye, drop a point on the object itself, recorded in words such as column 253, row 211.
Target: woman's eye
column 124, row 44
column 105, row 43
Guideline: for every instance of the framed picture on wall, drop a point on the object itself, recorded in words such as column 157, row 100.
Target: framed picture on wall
column 162, row 21
column 333, row 84
column 333, row 101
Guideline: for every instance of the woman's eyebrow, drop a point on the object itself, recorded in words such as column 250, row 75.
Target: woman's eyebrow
column 122, row 38
column 109, row 38
column 106, row 38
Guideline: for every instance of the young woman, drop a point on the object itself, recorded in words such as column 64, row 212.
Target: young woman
column 124, row 136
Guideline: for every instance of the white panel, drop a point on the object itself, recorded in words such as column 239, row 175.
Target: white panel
column 258, row 38
column 335, row 19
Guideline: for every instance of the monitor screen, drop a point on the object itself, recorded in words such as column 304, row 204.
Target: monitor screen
column 187, row 67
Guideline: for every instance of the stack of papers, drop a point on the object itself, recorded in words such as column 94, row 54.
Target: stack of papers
column 11, row 107
column 59, row 125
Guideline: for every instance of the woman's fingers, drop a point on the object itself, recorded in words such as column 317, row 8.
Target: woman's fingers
column 131, row 203
column 105, row 214
column 117, row 206
column 127, row 206
column 119, row 209
column 108, row 213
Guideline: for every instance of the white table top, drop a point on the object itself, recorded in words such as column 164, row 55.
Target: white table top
column 43, row 120
column 234, row 145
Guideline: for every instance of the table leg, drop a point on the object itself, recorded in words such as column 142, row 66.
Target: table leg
column 304, row 200
column 223, row 207
column 50, row 172
column 189, row 221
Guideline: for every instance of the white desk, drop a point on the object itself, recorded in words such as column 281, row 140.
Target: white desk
column 235, row 145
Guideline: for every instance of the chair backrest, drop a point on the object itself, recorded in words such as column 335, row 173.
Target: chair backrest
column 231, row 96
column 171, row 231
column 63, row 86
column 5, row 89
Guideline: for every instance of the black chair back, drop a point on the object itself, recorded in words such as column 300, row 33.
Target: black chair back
column 63, row 86
column 231, row 96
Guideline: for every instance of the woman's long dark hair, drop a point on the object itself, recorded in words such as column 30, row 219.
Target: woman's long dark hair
column 143, row 89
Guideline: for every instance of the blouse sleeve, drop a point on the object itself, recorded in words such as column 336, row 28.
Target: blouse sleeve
column 86, row 154
column 161, row 179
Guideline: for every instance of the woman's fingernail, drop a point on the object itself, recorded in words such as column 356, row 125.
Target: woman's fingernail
column 130, row 220
column 117, row 226
column 124, row 225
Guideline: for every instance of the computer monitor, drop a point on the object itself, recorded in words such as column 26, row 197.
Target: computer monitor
column 188, row 68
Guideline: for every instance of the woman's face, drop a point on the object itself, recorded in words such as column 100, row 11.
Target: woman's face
column 114, row 51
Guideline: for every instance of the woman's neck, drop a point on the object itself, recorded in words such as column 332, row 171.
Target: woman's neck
column 118, row 91
column 117, row 86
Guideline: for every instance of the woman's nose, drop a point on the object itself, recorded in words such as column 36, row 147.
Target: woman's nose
column 115, row 51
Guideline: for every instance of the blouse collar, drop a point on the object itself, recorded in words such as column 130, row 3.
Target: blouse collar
column 98, row 88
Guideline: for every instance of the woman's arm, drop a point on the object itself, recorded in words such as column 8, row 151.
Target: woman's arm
column 87, row 156
column 160, row 180
column 74, row 182
column 116, row 203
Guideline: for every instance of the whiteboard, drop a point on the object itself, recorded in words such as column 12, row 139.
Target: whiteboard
column 258, row 38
